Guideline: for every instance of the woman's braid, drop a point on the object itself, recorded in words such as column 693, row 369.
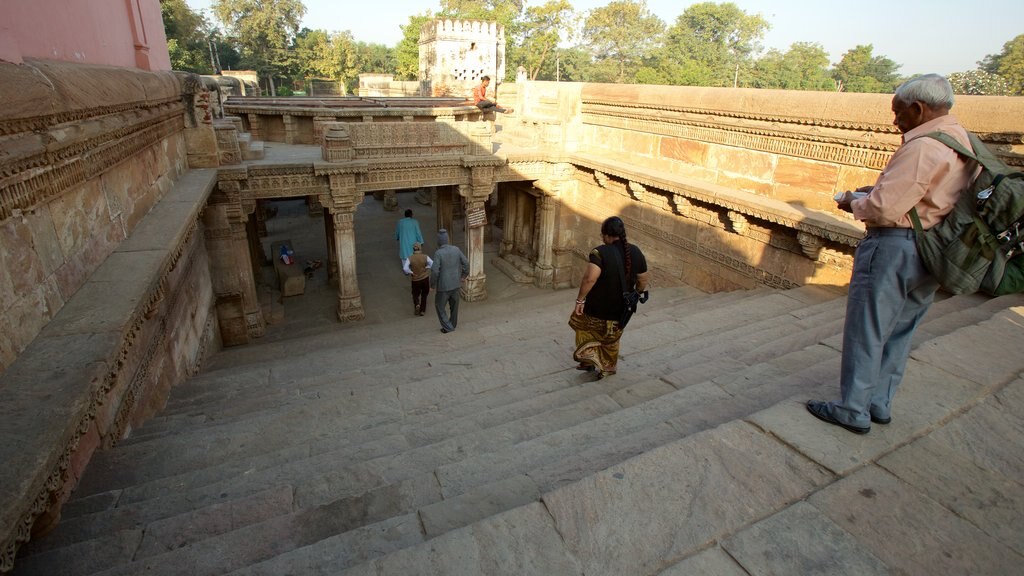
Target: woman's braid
column 627, row 256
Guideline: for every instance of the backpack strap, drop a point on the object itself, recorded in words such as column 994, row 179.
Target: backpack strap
column 979, row 152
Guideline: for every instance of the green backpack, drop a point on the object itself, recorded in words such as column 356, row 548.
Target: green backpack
column 980, row 244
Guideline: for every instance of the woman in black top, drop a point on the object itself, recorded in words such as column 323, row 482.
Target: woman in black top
column 600, row 302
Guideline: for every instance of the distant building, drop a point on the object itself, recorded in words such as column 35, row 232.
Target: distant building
column 454, row 54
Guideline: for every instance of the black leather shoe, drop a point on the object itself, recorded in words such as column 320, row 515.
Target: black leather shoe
column 820, row 411
column 878, row 420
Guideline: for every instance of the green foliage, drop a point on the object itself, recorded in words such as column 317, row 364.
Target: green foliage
column 329, row 56
column 542, row 29
column 620, row 37
column 711, row 44
column 407, row 51
column 979, row 82
column 1009, row 64
column 188, row 36
column 264, row 30
column 803, row 67
column 860, row 71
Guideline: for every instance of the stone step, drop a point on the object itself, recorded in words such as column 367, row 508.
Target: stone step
column 626, row 392
column 314, row 397
column 140, row 537
column 233, row 480
column 677, row 497
column 271, row 395
column 216, row 447
column 475, row 486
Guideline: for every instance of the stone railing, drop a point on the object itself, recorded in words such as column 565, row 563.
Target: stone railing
column 301, row 120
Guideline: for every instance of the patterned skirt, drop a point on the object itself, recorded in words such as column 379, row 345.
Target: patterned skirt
column 597, row 343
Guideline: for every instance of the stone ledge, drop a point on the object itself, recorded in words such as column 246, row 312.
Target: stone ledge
column 819, row 224
column 50, row 396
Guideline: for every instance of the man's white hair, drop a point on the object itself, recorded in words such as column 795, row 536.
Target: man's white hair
column 931, row 89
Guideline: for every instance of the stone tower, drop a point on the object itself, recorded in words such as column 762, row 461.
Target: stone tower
column 454, row 54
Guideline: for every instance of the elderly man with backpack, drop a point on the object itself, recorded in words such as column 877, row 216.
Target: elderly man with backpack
column 891, row 289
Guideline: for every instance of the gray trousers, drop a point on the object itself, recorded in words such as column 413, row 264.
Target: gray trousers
column 449, row 299
column 890, row 291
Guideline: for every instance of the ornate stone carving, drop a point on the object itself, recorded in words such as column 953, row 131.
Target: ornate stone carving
column 738, row 222
column 810, row 244
column 601, row 178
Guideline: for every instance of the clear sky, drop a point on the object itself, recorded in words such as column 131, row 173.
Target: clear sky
column 922, row 36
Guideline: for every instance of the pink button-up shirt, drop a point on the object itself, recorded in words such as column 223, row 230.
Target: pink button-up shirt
column 923, row 173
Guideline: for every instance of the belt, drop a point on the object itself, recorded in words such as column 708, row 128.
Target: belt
column 901, row 232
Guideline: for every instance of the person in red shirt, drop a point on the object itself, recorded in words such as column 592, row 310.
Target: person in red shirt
column 480, row 97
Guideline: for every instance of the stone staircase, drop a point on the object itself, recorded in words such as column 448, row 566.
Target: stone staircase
column 394, row 449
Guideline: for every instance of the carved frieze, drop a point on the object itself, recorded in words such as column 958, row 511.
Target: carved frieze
column 30, row 181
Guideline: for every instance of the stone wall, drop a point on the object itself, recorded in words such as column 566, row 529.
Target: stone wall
column 106, row 300
column 725, row 188
column 86, row 152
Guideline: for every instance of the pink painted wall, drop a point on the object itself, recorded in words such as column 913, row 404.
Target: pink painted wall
column 127, row 33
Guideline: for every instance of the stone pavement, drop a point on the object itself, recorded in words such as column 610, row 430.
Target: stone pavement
column 386, row 447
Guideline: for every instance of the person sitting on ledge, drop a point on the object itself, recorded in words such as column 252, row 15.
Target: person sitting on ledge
column 480, row 100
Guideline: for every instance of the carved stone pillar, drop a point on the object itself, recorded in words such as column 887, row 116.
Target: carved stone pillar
column 350, row 303
column 290, row 129
column 231, row 265
column 508, row 228
column 390, row 200
column 343, row 209
column 475, row 287
column 444, row 208
column 254, row 322
column 255, row 130
column 332, row 254
column 261, row 218
column 543, row 270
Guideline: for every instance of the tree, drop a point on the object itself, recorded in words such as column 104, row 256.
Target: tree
column 711, row 43
column 803, row 67
column 264, row 29
column 1009, row 64
column 860, row 71
column 407, row 51
column 188, row 37
column 620, row 35
column 542, row 29
column 979, row 82
column 318, row 54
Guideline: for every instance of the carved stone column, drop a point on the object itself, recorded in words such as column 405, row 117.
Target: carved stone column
column 255, row 325
column 342, row 210
column 332, row 254
column 228, row 245
column 255, row 130
column 390, row 200
column 508, row 227
column 350, row 303
column 475, row 287
column 290, row 129
column 543, row 270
